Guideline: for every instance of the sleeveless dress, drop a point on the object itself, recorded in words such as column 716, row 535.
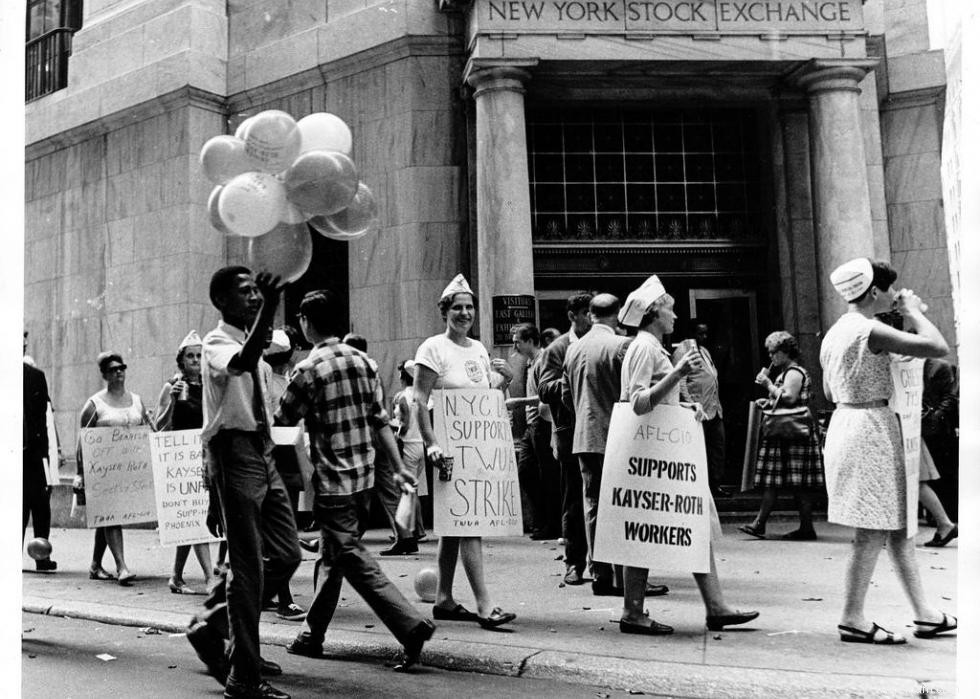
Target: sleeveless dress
column 863, row 453
column 783, row 464
column 110, row 416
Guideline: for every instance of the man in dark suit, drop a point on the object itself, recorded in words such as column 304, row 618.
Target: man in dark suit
column 550, row 380
column 35, row 447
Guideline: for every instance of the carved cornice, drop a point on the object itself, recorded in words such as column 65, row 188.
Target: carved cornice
column 823, row 74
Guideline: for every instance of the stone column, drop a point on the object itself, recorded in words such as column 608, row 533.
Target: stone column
column 503, row 200
column 841, row 204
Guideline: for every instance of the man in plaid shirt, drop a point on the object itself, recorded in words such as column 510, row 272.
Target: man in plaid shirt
column 337, row 391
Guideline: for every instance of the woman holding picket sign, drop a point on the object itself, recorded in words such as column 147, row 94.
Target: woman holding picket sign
column 180, row 408
column 649, row 379
column 453, row 360
column 113, row 406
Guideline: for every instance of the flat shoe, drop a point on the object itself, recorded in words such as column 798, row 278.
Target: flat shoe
column 179, row 588
column 753, row 531
column 653, row 629
column 940, row 541
column 127, row 580
column 656, row 590
column 849, row 634
column 716, row 622
column 100, row 574
column 934, row 627
column 457, row 613
column 498, row 617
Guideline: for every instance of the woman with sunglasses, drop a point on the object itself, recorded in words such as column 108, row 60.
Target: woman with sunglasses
column 113, row 406
column 180, row 408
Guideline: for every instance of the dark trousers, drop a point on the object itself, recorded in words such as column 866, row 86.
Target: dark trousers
column 591, row 465
column 389, row 494
column 36, row 497
column 714, row 445
column 537, row 471
column 572, row 517
column 342, row 520
column 259, row 524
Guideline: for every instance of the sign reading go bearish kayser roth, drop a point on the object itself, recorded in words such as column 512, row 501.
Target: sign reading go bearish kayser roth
column 482, row 498
column 654, row 502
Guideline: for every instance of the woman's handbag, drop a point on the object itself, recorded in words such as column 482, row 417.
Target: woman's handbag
column 787, row 424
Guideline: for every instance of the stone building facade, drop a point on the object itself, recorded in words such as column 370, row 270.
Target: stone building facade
column 739, row 149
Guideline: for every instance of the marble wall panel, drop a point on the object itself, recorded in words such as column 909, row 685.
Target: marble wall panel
column 252, row 25
column 281, row 58
column 167, row 34
column 125, row 90
column 437, row 137
column 916, row 71
column 122, row 242
column 917, row 225
column 386, row 142
column 911, row 130
column 358, row 32
column 424, row 194
column 913, row 177
column 925, row 271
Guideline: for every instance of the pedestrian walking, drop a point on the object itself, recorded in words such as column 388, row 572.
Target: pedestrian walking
column 36, row 491
column 649, row 378
column 796, row 465
column 336, row 390
column 113, row 406
column 551, row 382
column 864, row 453
column 179, row 408
column 257, row 518
column 454, row 360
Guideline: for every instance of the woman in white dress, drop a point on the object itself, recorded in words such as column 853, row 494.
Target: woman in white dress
column 863, row 454
column 453, row 360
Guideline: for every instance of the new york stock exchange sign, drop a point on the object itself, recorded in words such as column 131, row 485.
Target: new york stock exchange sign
column 668, row 16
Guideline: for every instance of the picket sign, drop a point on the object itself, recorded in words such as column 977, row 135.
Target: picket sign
column 118, row 476
column 178, row 478
column 654, row 501
column 483, row 497
column 906, row 401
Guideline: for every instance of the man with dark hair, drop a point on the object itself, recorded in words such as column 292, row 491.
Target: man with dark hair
column 36, row 489
column 257, row 517
column 537, row 468
column 356, row 341
column 337, row 391
column 591, row 388
column 550, row 381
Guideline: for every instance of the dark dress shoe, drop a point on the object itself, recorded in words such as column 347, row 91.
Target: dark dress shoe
column 269, row 668
column 716, row 622
column 312, row 546
column 935, row 542
column 653, row 629
column 45, row 565
column 656, row 590
column 573, row 576
column 457, row 613
column 402, row 547
column 800, row 535
column 605, row 589
column 544, row 535
column 210, row 648
column 413, row 644
column 262, row 690
column 305, row 647
column 498, row 617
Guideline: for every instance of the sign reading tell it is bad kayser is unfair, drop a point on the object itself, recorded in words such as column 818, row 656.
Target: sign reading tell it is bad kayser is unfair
column 118, row 476
column 483, row 496
column 181, row 498
column 654, row 502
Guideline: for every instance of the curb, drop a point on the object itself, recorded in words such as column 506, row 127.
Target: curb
column 651, row 677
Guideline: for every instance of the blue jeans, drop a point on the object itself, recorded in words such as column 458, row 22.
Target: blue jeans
column 342, row 520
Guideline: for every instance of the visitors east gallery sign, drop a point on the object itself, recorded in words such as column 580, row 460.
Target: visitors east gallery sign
column 653, row 16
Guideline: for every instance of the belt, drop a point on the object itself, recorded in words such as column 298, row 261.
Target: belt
column 880, row 403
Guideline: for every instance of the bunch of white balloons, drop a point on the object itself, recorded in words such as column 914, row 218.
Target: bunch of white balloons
column 275, row 176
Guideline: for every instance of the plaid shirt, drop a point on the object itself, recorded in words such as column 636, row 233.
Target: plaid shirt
column 338, row 392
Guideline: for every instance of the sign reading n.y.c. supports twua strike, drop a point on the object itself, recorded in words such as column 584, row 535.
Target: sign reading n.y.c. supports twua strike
column 482, row 497
column 654, row 502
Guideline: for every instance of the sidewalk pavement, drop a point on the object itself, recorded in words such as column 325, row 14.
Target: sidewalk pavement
column 565, row 633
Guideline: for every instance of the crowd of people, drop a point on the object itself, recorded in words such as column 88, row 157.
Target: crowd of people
column 240, row 380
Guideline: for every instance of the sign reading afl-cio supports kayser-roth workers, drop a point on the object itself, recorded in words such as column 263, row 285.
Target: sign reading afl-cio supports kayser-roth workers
column 118, row 477
column 668, row 15
column 482, row 497
column 654, row 502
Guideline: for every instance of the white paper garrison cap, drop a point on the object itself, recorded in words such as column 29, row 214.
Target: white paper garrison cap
column 852, row 278
column 280, row 343
column 640, row 300
column 192, row 339
column 457, row 286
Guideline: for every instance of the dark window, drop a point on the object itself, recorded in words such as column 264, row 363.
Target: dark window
column 50, row 26
column 642, row 175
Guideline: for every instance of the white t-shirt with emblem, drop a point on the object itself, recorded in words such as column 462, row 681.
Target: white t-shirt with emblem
column 455, row 366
